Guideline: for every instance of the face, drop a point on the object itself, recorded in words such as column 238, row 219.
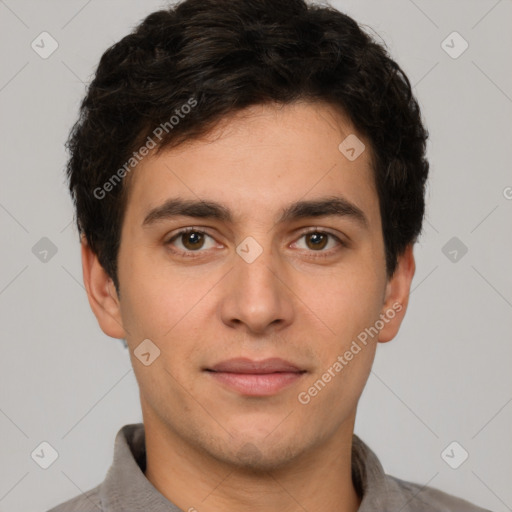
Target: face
column 283, row 257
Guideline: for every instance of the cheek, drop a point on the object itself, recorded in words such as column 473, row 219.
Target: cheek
column 329, row 398
column 347, row 301
column 354, row 302
column 153, row 297
column 349, row 307
column 155, row 310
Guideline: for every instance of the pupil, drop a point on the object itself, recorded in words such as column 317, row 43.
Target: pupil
column 193, row 240
column 318, row 240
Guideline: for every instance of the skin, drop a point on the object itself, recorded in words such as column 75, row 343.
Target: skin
column 210, row 448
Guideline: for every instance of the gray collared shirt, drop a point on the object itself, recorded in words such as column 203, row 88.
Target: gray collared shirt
column 126, row 489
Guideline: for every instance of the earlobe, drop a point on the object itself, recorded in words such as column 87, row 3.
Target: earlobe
column 101, row 293
column 397, row 295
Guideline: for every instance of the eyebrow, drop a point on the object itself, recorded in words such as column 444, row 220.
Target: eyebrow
column 204, row 209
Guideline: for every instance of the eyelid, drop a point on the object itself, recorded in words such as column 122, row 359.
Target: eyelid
column 318, row 229
column 188, row 229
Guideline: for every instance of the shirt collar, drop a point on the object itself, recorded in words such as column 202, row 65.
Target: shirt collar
column 127, row 488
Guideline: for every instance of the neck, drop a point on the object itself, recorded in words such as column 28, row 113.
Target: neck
column 197, row 482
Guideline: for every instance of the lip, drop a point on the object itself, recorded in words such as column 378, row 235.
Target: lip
column 256, row 378
column 249, row 366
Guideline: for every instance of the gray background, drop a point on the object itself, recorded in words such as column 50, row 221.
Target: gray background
column 445, row 378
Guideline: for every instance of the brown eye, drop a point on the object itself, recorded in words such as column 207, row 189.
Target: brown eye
column 316, row 240
column 192, row 240
column 321, row 242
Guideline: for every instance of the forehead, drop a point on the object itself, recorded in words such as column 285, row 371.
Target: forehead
column 259, row 159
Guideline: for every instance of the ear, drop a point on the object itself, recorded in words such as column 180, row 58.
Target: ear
column 101, row 293
column 397, row 295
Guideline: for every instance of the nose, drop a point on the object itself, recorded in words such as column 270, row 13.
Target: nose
column 256, row 296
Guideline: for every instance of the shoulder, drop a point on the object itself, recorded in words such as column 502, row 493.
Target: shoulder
column 385, row 493
column 89, row 501
column 419, row 498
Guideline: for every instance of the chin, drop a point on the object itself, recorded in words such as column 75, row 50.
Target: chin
column 258, row 452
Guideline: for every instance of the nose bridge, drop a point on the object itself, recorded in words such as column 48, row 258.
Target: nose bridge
column 256, row 296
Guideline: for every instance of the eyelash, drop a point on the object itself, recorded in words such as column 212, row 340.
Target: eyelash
column 196, row 254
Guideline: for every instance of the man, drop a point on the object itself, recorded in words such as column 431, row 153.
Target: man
column 249, row 183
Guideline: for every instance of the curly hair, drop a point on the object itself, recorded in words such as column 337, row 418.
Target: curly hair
column 221, row 56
